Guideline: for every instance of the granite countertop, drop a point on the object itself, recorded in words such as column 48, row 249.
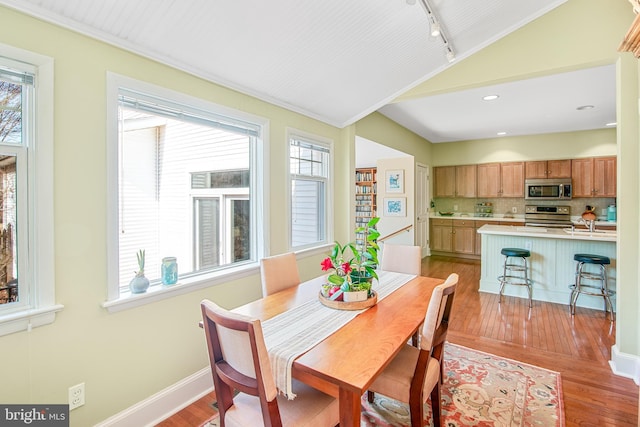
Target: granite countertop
column 550, row 233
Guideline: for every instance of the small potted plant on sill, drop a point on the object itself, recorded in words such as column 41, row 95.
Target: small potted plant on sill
column 352, row 278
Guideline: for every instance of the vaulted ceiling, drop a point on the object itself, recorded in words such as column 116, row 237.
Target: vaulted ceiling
column 333, row 60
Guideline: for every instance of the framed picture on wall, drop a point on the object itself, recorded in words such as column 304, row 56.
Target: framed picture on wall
column 395, row 206
column 394, row 180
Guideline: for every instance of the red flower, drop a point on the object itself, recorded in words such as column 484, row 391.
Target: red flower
column 346, row 267
column 326, row 264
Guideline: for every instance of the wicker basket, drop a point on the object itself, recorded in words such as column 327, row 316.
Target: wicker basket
column 357, row 305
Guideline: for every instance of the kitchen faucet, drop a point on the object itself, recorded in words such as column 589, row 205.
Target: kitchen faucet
column 589, row 223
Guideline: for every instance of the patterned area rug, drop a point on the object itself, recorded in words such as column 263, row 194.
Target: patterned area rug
column 480, row 389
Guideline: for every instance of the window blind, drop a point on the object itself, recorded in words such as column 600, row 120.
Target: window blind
column 162, row 107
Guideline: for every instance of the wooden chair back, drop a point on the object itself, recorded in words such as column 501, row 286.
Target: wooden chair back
column 239, row 360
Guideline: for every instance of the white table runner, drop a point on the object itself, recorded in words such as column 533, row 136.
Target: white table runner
column 299, row 329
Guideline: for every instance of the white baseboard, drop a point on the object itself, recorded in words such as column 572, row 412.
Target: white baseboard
column 165, row 403
column 625, row 365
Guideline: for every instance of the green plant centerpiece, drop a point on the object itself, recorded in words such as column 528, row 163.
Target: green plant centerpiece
column 139, row 284
column 353, row 264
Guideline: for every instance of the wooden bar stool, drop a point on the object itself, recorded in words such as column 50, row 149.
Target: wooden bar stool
column 600, row 276
column 515, row 272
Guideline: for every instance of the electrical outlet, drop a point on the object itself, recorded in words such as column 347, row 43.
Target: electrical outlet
column 76, row 396
column 514, row 209
column 455, row 208
column 527, row 245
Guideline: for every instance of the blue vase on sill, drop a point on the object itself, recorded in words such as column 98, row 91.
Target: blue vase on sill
column 139, row 284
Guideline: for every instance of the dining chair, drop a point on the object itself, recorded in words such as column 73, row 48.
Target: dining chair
column 279, row 272
column 401, row 258
column 415, row 374
column 244, row 382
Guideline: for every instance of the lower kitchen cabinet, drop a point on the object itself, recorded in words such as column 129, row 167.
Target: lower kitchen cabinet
column 464, row 239
column 452, row 236
column 459, row 237
column 440, row 236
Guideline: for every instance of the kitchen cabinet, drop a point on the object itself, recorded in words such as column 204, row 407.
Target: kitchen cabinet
column 445, row 181
column 604, row 176
column 440, row 236
column 594, row 177
column 453, row 236
column 489, row 180
column 512, row 179
column 466, row 181
column 548, row 169
column 500, row 180
column 455, row 181
column 464, row 239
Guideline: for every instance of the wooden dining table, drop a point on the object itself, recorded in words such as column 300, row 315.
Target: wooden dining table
column 346, row 363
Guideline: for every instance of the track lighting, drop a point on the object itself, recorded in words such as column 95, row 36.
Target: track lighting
column 435, row 29
column 438, row 31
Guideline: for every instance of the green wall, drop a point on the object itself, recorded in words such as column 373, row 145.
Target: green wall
column 566, row 145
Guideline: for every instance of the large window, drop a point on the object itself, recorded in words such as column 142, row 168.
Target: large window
column 309, row 171
column 186, row 187
column 26, row 203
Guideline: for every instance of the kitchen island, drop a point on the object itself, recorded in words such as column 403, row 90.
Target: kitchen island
column 552, row 268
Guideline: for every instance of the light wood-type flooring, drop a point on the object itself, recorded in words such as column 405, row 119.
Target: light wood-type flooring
column 547, row 335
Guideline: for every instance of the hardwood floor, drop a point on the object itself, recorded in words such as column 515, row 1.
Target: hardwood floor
column 547, row 335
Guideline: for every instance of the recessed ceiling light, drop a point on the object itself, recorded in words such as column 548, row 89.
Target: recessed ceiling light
column 490, row 97
column 585, row 107
column 611, row 124
column 502, row 133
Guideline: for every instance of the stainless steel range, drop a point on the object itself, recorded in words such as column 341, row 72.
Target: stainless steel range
column 547, row 216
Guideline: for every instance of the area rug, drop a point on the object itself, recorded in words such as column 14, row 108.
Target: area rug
column 479, row 389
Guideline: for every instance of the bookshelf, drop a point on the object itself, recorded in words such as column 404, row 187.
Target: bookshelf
column 366, row 203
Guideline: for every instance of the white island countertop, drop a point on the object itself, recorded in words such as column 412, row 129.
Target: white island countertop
column 549, row 233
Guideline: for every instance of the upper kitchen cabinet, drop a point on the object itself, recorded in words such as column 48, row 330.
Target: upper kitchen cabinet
column 501, row 180
column 594, row 177
column 444, row 181
column 489, row 180
column 548, row 169
column 455, row 181
column 466, row 181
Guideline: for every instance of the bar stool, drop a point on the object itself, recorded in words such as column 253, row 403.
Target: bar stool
column 602, row 289
column 515, row 273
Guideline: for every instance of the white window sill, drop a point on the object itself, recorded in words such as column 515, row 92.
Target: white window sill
column 157, row 293
column 25, row 320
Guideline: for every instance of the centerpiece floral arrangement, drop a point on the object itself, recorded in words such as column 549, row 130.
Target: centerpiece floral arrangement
column 352, row 265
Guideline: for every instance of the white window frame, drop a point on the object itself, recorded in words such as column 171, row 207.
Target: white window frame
column 118, row 300
column 36, row 225
column 292, row 133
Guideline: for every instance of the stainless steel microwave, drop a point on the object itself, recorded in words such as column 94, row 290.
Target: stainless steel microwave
column 547, row 189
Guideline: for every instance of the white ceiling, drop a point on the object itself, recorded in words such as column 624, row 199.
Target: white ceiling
column 333, row 60
column 541, row 105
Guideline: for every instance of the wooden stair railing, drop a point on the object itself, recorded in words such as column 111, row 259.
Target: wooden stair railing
column 395, row 233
